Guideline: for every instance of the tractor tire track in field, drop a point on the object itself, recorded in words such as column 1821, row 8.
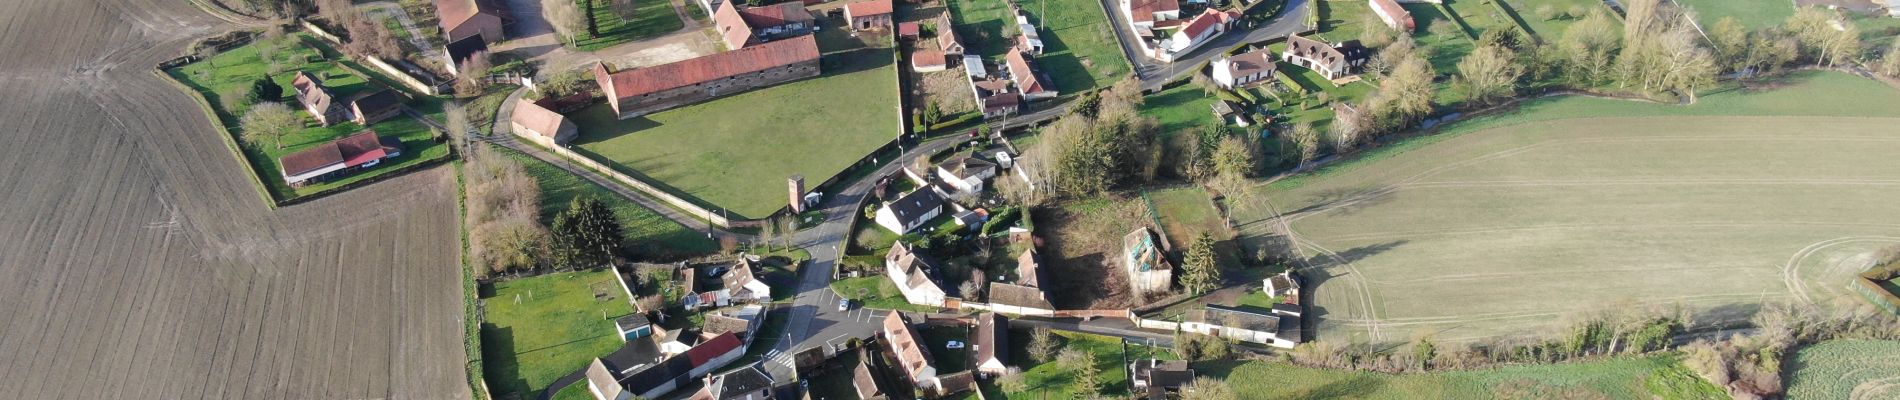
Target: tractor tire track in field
column 141, row 262
column 1791, row 271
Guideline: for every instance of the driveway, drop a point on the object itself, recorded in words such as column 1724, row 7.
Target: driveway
column 532, row 37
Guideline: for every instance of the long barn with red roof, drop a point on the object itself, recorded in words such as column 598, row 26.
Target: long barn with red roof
column 641, row 91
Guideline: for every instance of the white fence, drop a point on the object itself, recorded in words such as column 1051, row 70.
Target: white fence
column 388, row 70
column 655, row 192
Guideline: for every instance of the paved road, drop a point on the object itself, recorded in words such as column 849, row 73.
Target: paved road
column 1292, row 19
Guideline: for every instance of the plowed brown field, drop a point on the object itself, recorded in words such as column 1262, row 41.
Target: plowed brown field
column 137, row 260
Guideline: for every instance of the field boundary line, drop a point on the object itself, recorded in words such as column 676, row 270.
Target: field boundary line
column 1447, row 232
column 230, row 141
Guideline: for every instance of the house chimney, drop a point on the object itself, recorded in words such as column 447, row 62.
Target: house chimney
column 797, row 185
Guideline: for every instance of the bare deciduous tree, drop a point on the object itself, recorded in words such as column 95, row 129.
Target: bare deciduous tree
column 472, row 80
column 1307, row 140
column 566, row 18
column 1489, row 74
column 269, row 120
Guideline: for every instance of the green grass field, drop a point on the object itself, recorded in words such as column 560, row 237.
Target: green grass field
column 1658, row 377
column 735, row 152
column 1499, row 225
column 1846, row 369
column 243, row 65
column 651, row 234
column 1181, row 109
column 1754, row 14
column 1080, row 49
column 650, row 19
column 540, row 328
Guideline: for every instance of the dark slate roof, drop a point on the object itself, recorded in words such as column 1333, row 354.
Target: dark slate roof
column 634, row 356
column 634, row 319
column 738, row 384
column 659, row 374
column 1290, row 330
column 377, row 100
column 914, row 205
column 1252, row 319
column 460, row 50
column 1167, row 374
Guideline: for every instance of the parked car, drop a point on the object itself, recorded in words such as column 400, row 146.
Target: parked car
column 844, row 304
column 953, row 345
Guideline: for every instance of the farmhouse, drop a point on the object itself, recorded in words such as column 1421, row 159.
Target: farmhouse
column 1284, row 284
column 869, row 15
column 1393, row 15
column 947, row 36
column 741, row 27
column 864, row 381
column 1246, row 70
column 375, row 106
column 1198, row 31
column 680, row 370
column 1333, row 61
column 1273, row 328
column 640, row 91
column 743, row 384
column 1144, row 258
column 912, row 358
column 743, row 286
column 1230, row 113
column 1025, row 296
column 1030, row 80
column 318, row 100
column 997, row 96
column 467, row 18
column 342, row 156
column 913, row 273
column 991, row 344
column 966, row 173
column 1144, row 14
column 1155, row 379
column 910, row 211
column 460, row 51
column 541, row 125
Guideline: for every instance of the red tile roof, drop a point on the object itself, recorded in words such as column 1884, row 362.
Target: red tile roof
column 927, row 57
column 732, row 26
column 1393, row 9
column 1207, row 20
column 1144, row 10
column 866, row 8
column 908, row 29
column 352, row 151
column 777, row 14
column 1023, row 73
column 454, row 13
column 705, row 352
column 640, row 81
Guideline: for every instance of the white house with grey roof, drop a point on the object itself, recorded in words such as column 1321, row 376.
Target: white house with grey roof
column 1276, row 327
column 910, row 211
column 913, row 275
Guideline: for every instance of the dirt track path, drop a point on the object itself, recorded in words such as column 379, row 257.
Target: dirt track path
column 141, row 262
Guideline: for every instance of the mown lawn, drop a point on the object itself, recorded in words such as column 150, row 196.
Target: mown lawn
column 734, row 153
column 1080, row 48
column 243, row 65
column 1754, row 14
column 651, row 234
column 876, row 291
column 650, row 19
column 537, row 329
column 1183, row 109
column 1659, row 377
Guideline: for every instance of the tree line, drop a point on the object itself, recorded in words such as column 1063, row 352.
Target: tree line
column 505, row 232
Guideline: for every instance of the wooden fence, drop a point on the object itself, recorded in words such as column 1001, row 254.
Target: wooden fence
column 653, row 191
column 391, row 71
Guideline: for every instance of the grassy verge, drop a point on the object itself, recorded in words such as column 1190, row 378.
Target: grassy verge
column 238, row 68
column 471, row 303
column 649, row 19
column 1657, row 377
column 876, row 292
column 734, row 153
column 1754, row 14
column 650, row 233
column 541, row 328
